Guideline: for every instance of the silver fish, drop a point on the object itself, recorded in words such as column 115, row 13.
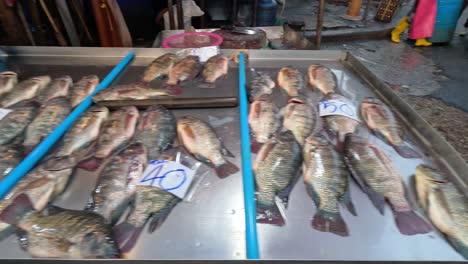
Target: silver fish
column 25, row 90
column 276, row 167
column 61, row 233
column 131, row 92
column 84, row 87
column 301, row 118
column 78, row 139
column 116, row 132
column 377, row 177
column 263, row 120
column 160, row 67
column 261, row 84
column 59, row 87
column 445, row 205
column 14, row 124
column 326, row 179
column 291, row 80
column 202, row 142
column 216, row 67
column 185, row 69
column 322, row 78
column 8, row 80
column 117, row 182
column 50, row 116
column 157, row 130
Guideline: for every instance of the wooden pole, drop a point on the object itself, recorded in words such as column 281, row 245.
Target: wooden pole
column 255, row 9
column 180, row 14
column 171, row 14
column 318, row 36
column 58, row 34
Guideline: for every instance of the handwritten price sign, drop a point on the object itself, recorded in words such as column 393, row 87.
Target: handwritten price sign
column 337, row 107
column 168, row 175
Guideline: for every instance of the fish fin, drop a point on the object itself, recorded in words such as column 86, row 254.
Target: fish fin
column 407, row 152
column 206, row 161
column 226, row 169
column 346, row 200
column 122, row 232
column 340, row 140
column 226, row 151
column 265, row 150
column 91, row 164
column 173, row 90
column 90, row 244
column 158, row 219
column 409, row 223
column 22, row 239
column 377, row 200
column 459, row 246
column 60, row 163
column 255, row 146
column 52, row 209
column 284, row 194
column 20, row 206
column 271, row 216
column 132, row 239
column 313, row 194
column 330, row 222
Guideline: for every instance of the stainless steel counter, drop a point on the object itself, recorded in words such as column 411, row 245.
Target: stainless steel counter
column 210, row 225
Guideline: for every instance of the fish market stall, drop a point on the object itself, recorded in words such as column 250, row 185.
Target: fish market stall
column 291, row 90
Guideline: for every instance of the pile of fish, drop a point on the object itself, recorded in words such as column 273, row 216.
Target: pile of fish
column 117, row 145
column 173, row 73
column 295, row 140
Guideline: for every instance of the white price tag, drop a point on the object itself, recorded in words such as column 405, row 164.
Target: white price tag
column 4, row 112
column 168, row 175
column 205, row 53
column 337, row 107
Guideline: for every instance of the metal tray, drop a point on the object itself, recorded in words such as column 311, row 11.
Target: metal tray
column 211, row 225
column 60, row 61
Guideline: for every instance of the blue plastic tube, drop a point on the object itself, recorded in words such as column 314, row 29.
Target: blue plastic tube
column 36, row 155
column 249, row 187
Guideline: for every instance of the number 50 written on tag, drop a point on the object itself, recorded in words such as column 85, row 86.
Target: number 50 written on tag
column 337, row 107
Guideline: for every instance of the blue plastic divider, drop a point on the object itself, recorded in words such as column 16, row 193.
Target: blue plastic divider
column 249, row 186
column 36, row 155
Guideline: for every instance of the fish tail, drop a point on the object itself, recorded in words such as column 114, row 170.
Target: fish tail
column 459, row 246
column 20, row 206
column 61, row 163
column 340, row 140
column 270, row 215
column 91, row 164
column 226, row 169
column 407, row 152
column 255, row 146
column 330, row 222
column 409, row 223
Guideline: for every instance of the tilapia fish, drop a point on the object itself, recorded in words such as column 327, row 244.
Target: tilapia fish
column 25, row 90
column 261, row 84
column 157, row 130
column 380, row 119
column 84, row 87
column 275, row 168
column 301, row 118
column 160, row 67
column 116, row 184
column 216, row 67
column 57, row 88
column 49, row 117
column 78, row 139
column 116, row 132
column 40, row 186
column 377, row 177
column 322, row 78
column 263, row 120
column 10, row 156
column 150, row 203
column 445, row 205
column 8, row 80
column 202, row 142
column 61, row 233
column 340, row 125
column 291, row 80
column 13, row 125
column 326, row 180
column 187, row 68
column 132, row 92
